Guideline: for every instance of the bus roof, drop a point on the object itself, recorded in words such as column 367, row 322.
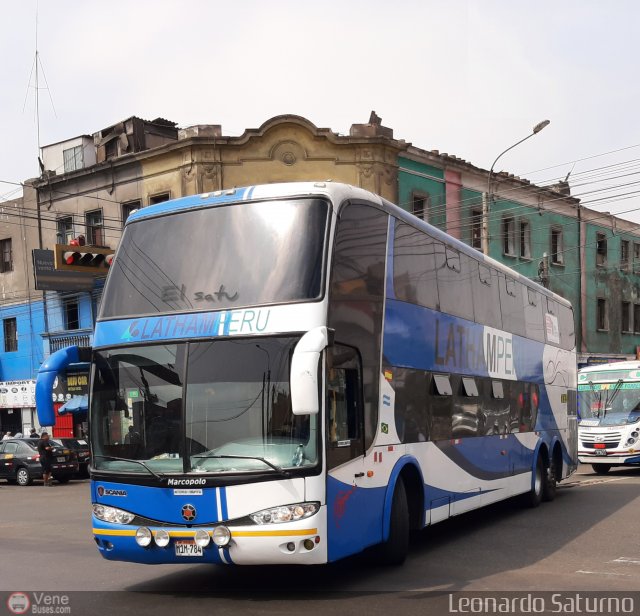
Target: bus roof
column 337, row 192
column 615, row 366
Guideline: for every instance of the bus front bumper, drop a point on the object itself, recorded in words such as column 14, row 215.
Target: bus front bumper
column 296, row 543
column 614, row 458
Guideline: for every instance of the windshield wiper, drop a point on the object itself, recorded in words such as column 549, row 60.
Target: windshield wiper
column 275, row 467
column 616, row 389
column 596, row 395
column 156, row 475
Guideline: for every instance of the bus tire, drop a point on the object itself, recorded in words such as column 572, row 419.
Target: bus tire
column 394, row 550
column 601, row 469
column 533, row 497
column 550, row 484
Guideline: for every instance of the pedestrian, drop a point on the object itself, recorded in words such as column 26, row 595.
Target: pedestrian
column 18, row 435
column 33, row 433
column 7, row 436
column 45, row 449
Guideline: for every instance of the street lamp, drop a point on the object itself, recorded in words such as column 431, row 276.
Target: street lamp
column 486, row 201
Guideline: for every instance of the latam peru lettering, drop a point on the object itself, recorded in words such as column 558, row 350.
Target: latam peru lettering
column 480, row 350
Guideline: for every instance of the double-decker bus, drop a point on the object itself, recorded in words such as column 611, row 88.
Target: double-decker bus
column 609, row 404
column 291, row 373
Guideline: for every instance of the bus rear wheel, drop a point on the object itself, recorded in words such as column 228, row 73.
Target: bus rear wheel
column 534, row 496
column 394, row 550
column 550, row 485
column 601, row 469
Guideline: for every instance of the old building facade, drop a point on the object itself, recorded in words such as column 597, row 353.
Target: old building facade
column 91, row 183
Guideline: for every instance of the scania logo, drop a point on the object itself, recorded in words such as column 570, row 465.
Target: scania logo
column 189, row 513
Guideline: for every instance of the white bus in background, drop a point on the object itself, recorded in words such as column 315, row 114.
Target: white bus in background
column 609, row 407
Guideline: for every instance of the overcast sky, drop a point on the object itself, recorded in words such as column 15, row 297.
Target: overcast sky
column 468, row 78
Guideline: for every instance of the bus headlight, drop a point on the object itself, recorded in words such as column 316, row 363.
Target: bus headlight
column 202, row 538
column 112, row 514
column 221, row 536
column 631, row 440
column 286, row 513
column 143, row 536
column 162, row 538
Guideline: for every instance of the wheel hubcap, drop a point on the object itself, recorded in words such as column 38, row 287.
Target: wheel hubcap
column 22, row 477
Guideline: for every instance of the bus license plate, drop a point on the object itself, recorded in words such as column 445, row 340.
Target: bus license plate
column 60, row 459
column 188, row 548
column 600, row 452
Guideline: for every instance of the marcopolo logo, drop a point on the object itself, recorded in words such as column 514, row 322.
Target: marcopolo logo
column 102, row 491
column 201, row 481
column 18, row 603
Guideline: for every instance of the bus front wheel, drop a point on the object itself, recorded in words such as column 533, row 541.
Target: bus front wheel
column 601, row 469
column 394, row 550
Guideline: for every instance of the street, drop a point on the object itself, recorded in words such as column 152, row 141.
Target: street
column 580, row 542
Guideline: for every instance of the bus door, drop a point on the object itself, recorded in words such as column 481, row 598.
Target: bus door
column 351, row 522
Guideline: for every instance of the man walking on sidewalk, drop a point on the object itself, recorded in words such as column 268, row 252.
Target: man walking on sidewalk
column 45, row 449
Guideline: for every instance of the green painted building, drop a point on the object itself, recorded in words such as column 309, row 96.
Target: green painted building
column 591, row 259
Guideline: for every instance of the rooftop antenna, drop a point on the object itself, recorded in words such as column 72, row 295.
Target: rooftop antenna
column 38, row 68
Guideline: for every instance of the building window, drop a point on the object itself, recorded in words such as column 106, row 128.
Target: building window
column 6, row 265
column 557, row 246
column 636, row 318
column 95, row 229
column 127, row 208
column 626, row 317
column 159, row 198
column 525, row 239
column 636, row 257
column 476, row 229
column 601, row 249
column 602, row 321
column 624, row 255
column 10, row 335
column 509, row 236
column 73, row 159
column 71, row 314
column 420, row 206
column 65, row 230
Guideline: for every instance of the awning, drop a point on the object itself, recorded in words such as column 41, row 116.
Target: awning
column 77, row 404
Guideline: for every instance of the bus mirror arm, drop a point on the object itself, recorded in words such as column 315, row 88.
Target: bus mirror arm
column 305, row 369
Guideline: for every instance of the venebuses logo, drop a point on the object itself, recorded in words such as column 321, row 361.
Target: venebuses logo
column 18, row 603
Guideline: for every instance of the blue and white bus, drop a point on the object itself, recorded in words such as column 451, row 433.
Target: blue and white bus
column 291, row 373
column 609, row 404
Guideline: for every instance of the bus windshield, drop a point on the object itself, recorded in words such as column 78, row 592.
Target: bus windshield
column 232, row 256
column 612, row 403
column 206, row 407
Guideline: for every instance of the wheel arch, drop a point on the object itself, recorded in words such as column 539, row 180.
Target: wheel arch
column 407, row 468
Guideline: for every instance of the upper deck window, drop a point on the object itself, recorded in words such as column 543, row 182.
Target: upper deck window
column 240, row 255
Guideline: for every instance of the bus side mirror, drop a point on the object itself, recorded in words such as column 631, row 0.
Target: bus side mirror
column 305, row 364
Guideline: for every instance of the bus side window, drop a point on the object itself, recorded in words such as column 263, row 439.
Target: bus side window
column 410, row 404
column 456, row 296
column 567, row 328
column 466, row 418
column 533, row 315
column 512, row 305
column 344, row 410
column 486, row 297
column 440, row 401
column 414, row 267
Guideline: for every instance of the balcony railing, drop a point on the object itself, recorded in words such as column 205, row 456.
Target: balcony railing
column 60, row 340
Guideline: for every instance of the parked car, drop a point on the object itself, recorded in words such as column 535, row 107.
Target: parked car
column 81, row 448
column 20, row 462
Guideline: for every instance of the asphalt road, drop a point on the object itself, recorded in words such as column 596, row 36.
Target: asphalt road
column 586, row 540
